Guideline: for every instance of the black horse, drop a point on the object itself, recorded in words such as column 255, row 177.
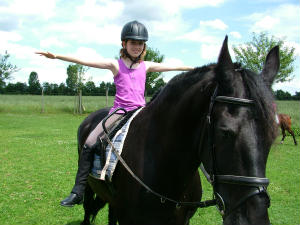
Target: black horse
column 219, row 115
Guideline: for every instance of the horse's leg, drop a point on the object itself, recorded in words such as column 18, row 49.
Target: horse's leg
column 112, row 219
column 283, row 134
column 292, row 133
column 91, row 206
column 88, row 198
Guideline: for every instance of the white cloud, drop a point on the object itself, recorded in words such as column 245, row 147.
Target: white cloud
column 208, row 32
column 17, row 51
column 99, row 11
column 85, row 32
column 99, row 21
column 9, row 37
column 44, row 9
column 164, row 18
column 162, row 10
column 175, row 6
column 210, row 51
column 235, row 34
column 173, row 61
column 295, row 45
column 52, row 42
column 265, row 23
column 87, row 54
column 216, row 24
column 166, row 30
column 282, row 21
column 199, row 35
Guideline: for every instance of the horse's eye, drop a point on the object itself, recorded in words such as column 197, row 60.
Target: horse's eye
column 227, row 134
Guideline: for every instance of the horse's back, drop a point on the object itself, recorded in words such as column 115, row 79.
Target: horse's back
column 285, row 120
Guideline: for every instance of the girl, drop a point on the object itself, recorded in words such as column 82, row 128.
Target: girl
column 129, row 77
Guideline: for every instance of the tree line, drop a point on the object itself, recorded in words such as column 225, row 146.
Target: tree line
column 285, row 95
column 88, row 88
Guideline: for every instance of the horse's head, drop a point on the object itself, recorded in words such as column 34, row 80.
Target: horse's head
column 240, row 133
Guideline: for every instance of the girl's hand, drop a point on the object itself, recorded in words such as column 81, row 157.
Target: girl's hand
column 46, row 54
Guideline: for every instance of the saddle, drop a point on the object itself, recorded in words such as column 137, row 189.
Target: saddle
column 101, row 144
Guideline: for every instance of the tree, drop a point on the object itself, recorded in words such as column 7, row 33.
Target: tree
column 6, row 69
column 111, row 88
column 296, row 96
column 89, row 88
column 62, row 89
column 17, row 88
column 72, row 78
column 47, row 88
column 252, row 55
column 158, row 84
column 75, row 77
column 34, row 86
column 75, row 84
column 102, row 88
column 152, row 77
column 282, row 95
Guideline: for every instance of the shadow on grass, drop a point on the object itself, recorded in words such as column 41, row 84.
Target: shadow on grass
column 74, row 222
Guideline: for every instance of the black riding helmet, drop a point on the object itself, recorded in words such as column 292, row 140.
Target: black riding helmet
column 134, row 30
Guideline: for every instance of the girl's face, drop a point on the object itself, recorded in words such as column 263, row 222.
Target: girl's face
column 134, row 47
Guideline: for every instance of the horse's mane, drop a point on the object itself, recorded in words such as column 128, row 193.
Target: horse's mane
column 258, row 91
column 254, row 84
column 181, row 82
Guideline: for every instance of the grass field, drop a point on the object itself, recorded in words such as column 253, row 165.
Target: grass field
column 39, row 160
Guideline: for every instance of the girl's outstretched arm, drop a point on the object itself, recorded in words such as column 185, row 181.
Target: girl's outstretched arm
column 104, row 64
column 161, row 67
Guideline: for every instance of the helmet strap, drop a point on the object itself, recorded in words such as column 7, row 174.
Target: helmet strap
column 133, row 60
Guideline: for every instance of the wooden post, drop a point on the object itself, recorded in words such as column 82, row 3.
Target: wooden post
column 107, row 88
column 42, row 110
column 80, row 102
column 75, row 104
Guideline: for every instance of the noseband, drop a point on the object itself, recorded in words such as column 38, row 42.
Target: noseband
column 256, row 185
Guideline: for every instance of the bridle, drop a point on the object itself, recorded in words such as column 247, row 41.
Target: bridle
column 256, row 185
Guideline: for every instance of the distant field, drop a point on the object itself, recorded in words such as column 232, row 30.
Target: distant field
column 38, row 161
column 50, row 104
column 65, row 104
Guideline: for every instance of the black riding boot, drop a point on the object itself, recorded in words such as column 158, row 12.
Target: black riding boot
column 84, row 166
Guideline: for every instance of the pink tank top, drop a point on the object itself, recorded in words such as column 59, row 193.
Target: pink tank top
column 130, row 87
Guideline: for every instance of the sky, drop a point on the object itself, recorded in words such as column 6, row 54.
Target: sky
column 188, row 32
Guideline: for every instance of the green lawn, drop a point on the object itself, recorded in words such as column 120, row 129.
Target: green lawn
column 39, row 160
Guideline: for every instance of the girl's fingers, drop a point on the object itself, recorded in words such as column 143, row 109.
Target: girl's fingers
column 46, row 54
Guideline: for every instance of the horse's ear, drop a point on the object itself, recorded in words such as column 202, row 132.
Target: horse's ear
column 225, row 69
column 224, row 60
column 271, row 66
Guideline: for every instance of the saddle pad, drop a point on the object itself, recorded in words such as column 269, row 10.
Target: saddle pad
column 111, row 158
